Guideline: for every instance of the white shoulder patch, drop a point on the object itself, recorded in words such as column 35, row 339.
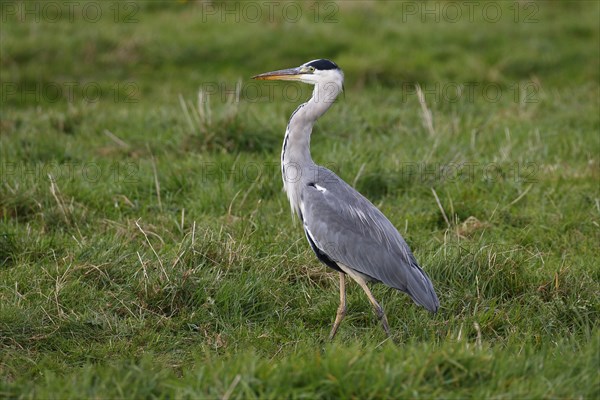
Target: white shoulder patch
column 320, row 188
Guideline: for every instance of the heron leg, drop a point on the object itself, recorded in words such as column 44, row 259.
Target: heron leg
column 378, row 309
column 363, row 284
column 341, row 311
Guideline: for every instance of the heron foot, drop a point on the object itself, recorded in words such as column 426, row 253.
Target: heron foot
column 381, row 315
column 341, row 313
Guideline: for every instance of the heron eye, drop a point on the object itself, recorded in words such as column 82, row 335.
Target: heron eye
column 311, row 69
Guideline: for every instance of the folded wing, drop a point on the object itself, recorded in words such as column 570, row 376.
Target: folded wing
column 347, row 228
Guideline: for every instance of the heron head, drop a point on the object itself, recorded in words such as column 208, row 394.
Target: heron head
column 315, row 72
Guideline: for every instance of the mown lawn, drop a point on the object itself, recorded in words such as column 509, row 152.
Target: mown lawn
column 147, row 249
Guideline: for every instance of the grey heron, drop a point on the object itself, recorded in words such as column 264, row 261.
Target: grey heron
column 344, row 229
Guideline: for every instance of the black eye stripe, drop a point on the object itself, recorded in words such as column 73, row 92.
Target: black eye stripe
column 323, row 64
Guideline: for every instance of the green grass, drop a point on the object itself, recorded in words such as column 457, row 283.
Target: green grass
column 147, row 250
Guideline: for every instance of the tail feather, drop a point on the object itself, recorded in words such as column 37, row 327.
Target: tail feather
column 420, row 289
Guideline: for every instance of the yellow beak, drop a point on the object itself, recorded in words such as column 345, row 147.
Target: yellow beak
column 291, row 74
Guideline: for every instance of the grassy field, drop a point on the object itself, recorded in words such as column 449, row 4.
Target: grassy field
column 147, row 249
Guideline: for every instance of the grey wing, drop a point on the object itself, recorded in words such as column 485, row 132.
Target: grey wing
column 347, row 228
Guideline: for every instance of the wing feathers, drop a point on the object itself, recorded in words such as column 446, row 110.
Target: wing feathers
column 349, row 229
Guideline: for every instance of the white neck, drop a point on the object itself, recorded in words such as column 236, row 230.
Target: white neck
column 295, row 154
